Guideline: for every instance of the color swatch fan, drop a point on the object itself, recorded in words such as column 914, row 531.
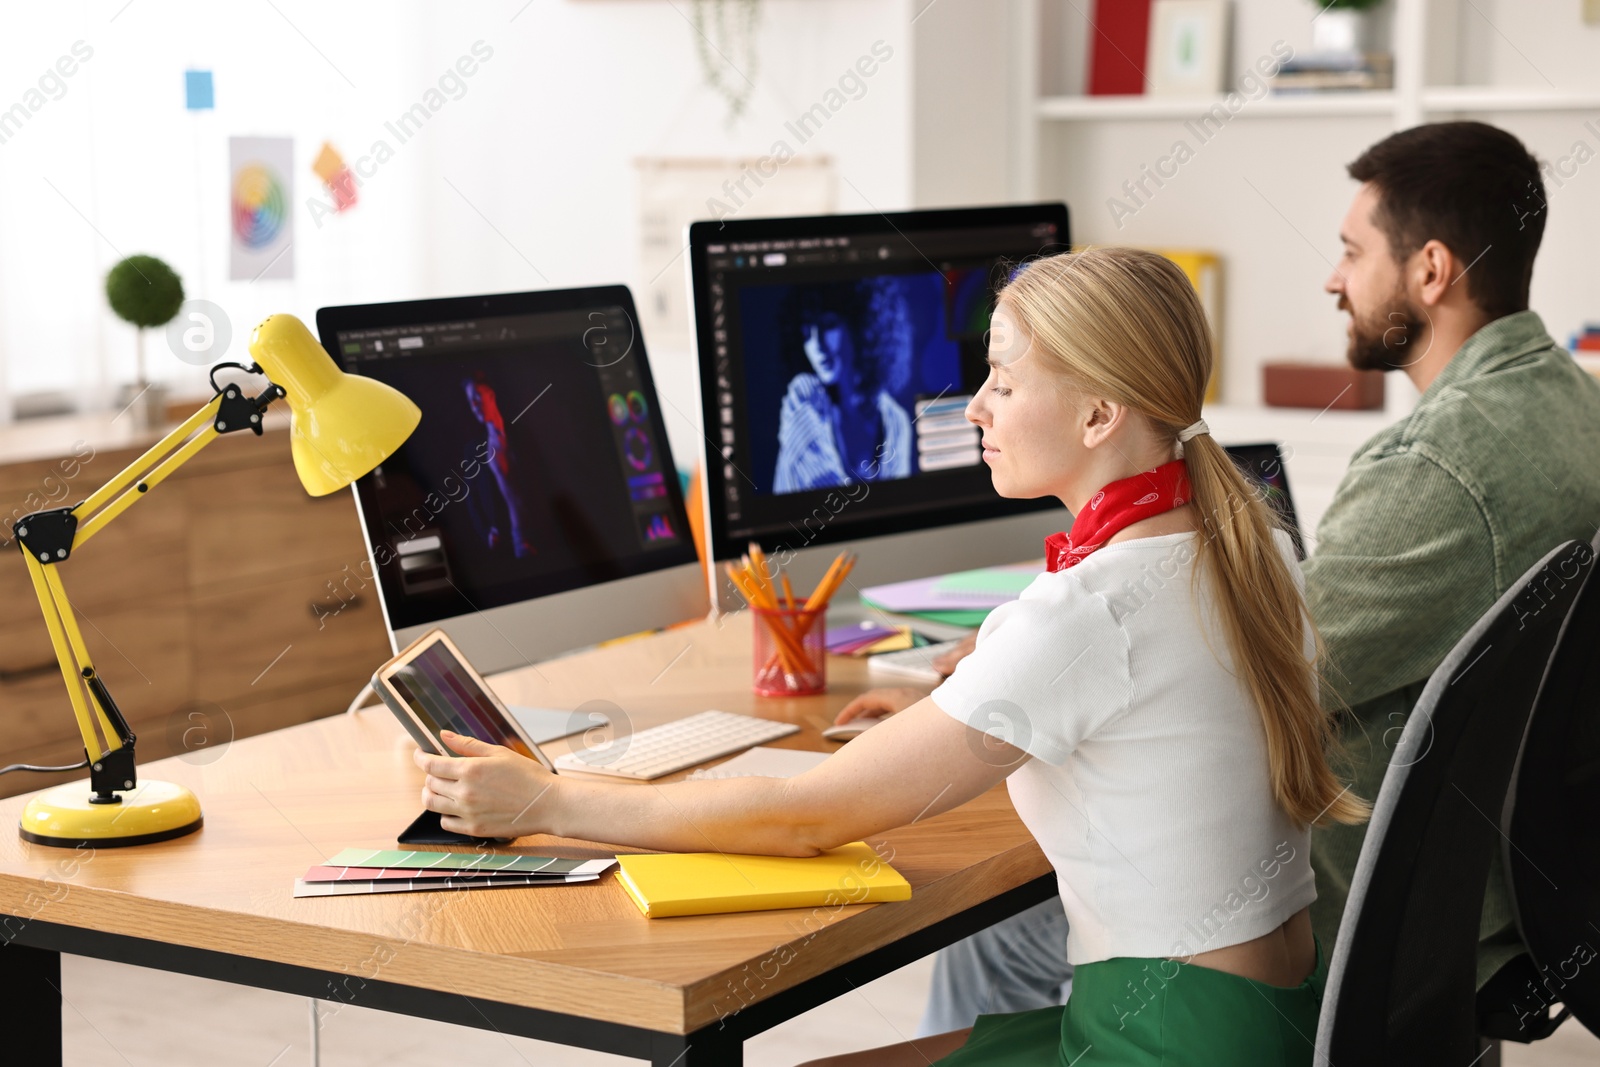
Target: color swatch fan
column 258, row 205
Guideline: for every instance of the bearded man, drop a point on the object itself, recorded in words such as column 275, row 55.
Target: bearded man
column 1498, row 463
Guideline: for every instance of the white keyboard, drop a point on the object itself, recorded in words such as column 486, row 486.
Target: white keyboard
column 675, row 745
column 914, row 663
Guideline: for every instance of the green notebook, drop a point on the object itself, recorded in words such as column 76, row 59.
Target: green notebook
column 959, row 617
column 988, row 581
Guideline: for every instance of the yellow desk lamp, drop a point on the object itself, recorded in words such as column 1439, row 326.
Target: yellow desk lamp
column 341, row 426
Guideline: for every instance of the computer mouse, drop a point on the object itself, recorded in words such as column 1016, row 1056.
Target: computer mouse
column 852, row 728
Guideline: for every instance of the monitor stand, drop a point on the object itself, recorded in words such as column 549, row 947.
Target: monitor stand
column 547, row 724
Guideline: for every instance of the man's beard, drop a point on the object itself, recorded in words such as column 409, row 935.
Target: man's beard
column 1386, row 340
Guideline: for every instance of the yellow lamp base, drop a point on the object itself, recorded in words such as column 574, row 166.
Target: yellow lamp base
column 155, row 811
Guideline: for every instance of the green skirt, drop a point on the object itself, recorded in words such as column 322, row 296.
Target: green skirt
column 1157, row 1012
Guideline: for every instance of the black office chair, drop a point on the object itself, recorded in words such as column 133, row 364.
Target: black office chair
column 1403, row 975
column 1552, row 846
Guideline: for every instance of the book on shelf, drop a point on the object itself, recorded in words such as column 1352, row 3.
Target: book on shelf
column 1335, row 71
column 1118, row 32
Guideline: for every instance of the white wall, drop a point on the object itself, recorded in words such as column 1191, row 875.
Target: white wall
column 540, row 153
column 961, row 129
column 1272, row 214
column 539, row 149
column 1534, row 44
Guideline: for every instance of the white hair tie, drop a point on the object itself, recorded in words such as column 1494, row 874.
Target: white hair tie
column 1194, row 429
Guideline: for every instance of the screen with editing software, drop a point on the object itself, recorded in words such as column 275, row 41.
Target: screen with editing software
column 541, row 463
column 837, row 358
column 444, row 695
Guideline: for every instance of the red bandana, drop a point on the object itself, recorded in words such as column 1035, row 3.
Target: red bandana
column 1120, row 504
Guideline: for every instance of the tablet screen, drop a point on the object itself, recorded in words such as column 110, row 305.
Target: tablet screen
column 444, row 694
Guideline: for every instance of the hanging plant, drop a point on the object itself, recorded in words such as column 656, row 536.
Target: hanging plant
column 725, row 42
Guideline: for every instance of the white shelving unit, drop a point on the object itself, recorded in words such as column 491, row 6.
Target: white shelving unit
column 1452, row 99
column 1124, row 108
column 1410, row 101
column 1435, row 102
column 1434, row 43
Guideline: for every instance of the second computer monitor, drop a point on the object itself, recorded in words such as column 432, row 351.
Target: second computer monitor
column 536, row 509
column 837, row 356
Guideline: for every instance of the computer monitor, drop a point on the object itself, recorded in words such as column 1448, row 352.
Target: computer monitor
column 536, row 508
column 1264, row 463
column 837, row 355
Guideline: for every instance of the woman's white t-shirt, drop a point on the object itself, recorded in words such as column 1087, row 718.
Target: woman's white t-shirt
column 1149, row 788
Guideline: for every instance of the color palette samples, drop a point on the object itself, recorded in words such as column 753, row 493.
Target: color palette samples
column 357, row 871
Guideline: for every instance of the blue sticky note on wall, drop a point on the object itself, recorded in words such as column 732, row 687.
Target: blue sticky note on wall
column 197, row 90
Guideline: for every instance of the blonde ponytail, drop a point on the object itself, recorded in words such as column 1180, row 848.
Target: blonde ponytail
column 1126, row 325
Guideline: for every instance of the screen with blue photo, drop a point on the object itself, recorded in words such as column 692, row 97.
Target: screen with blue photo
column 838, row 357
column 838, row 369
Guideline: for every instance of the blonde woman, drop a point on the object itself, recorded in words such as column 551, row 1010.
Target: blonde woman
column 1151, row 701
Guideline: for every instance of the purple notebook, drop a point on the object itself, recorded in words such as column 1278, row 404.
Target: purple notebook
column 843, row 640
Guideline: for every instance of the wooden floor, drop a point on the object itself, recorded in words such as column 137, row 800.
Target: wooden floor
column 135, row 1017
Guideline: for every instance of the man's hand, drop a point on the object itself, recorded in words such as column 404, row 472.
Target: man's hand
column 945, row 664
column 493, row 793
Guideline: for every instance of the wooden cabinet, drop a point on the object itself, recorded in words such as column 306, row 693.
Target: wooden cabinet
column 228, row 604
column 278, row 635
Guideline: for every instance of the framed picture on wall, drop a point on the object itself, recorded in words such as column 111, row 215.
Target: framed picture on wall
column 1188, row 51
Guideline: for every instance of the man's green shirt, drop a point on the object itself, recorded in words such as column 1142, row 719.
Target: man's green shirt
column 1436, row 517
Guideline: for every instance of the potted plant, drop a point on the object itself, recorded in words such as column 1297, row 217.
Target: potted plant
column 146, row 292
column 1342, row 27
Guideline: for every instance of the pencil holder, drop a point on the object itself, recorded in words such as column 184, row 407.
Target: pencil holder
column 790, row 658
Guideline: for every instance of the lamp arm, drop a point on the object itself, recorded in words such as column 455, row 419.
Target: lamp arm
column 48, row 538
column 229, row 411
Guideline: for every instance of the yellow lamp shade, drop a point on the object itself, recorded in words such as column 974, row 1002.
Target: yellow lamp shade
column 341, row 425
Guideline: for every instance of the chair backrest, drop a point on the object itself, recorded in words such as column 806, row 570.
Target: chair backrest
column 1551, row 829
column 1402, row 978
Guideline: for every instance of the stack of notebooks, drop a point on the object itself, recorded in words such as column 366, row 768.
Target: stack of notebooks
column 961, row 599
column 871, row 638
column 365, row 870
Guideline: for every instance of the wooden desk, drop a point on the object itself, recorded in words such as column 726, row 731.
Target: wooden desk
column 576, row 964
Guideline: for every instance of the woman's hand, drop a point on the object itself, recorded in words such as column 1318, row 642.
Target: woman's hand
column 945, row 664
column 878, row 702
column 493, row 793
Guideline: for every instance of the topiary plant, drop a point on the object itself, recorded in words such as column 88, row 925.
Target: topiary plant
column 146, row 292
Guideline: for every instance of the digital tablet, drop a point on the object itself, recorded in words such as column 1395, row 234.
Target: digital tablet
column 431, row 687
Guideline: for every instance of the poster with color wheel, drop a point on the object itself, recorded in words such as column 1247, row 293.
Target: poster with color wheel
column 260, row 223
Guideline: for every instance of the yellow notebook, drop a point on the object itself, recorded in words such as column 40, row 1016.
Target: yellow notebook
column 705, row 883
